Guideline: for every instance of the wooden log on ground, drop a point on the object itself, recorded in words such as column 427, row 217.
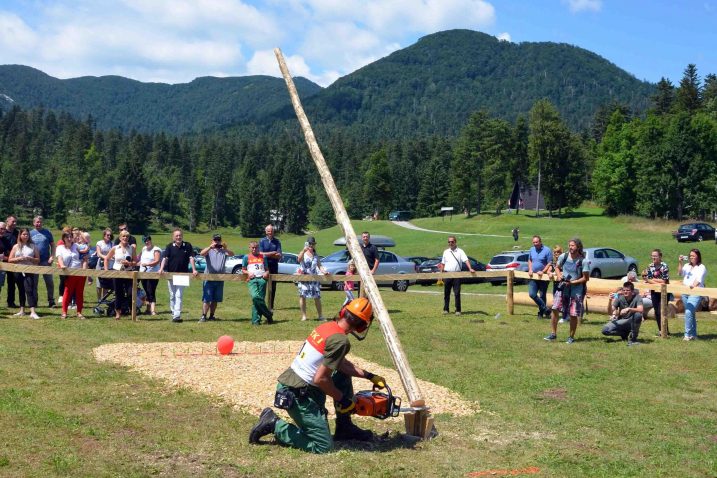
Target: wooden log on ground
column 410, row 384
column 595, row 304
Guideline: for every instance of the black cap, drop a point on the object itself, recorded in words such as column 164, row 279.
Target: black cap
column 311, row 240
column 146, row 238
column 217, row 237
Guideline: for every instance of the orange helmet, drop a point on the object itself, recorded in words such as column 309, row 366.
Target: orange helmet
column 359, row 313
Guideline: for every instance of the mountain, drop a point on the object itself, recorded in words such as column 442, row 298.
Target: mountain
column 115, row 102
column 435, row 84
column 430, row 87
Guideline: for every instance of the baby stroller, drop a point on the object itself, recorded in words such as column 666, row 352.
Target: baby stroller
column 106, row 305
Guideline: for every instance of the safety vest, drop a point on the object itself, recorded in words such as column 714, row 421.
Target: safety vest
column 311, row 355
column 255, row 265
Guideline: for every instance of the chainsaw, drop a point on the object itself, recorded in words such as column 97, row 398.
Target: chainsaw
column 372, row 403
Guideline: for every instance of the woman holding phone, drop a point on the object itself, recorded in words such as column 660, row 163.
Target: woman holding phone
column 121, row 257
column 693, row 273
column 309, row 263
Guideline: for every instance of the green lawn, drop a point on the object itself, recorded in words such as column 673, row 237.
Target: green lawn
column 596, row 408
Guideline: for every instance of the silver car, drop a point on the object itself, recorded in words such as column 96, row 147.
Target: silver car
column 508, row 261
column 389, row 263
column 287, row 265
column 607, row 262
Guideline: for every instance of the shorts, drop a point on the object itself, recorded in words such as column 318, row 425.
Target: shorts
column 213, row 291
column 576, row 304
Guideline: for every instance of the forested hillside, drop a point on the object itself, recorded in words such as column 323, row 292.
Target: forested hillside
column 432, row 87
column 115, row 102
column 662, row 166
column 429, row 88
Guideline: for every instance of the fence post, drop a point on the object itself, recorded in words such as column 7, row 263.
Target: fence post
column 134, row 296
column 509, row 293
column 269, row 291
column 663, row 311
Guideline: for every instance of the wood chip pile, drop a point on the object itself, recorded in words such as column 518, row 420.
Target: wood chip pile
column 247, row 377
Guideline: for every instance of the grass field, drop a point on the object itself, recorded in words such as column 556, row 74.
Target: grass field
column 596, row 408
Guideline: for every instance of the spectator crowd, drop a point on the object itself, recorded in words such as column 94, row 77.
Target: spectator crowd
column 568, row 271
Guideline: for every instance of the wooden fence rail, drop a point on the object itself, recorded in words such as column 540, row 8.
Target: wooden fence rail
column 595, row 286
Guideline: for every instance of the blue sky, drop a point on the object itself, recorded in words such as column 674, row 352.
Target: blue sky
column 175, row 41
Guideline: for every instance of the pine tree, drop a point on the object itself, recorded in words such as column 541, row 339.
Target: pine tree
column 377, row 187
column 689, row 94
column 253, row 214
column 293, row 197
column 664, row 98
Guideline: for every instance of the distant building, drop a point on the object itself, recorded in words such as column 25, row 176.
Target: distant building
column 525, row 196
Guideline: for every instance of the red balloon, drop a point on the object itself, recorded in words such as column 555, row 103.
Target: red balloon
column 225, row 345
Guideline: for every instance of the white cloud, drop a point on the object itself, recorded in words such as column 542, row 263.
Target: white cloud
column 177, row 40
column 577, row 6
column 245, row 20
column 429, row 15
column 505, row 36
column 16, row 37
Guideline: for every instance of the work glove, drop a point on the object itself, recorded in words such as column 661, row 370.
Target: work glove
column 377, row 380
column 345, row 405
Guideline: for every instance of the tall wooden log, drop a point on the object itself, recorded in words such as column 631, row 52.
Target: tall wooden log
column 410, row 384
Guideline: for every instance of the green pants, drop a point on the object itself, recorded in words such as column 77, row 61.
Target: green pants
column 257, row 290
column 311, row 432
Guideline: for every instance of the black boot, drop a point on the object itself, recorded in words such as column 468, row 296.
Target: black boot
column 346, row 430
column 265, row 425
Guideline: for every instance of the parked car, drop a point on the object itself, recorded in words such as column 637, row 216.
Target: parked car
column 694, row 231
column 389, row 263
column 607, row 262
column 287, row 265
column 233, row 264
column 399, row 215
column 377, row 240
column 431, row 265
column 418, row 260
column 508, row 260
column 199, row 263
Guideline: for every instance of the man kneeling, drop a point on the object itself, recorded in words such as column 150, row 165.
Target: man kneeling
column 321, row 369
column 626, row 316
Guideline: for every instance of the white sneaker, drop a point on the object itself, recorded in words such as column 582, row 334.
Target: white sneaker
column 19, row 314
column 34, row 316
column 563, row 321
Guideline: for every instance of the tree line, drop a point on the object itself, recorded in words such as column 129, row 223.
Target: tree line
column 662, row 165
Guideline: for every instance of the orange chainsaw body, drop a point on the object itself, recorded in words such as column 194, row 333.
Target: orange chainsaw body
column 371, row 403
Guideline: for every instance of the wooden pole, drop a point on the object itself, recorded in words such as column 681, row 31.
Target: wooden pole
column 410, row 384
column 663, row 311
column 134, row 295
column 509, row 293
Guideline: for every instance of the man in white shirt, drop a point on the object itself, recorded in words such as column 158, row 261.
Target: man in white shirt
column 452, row 261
